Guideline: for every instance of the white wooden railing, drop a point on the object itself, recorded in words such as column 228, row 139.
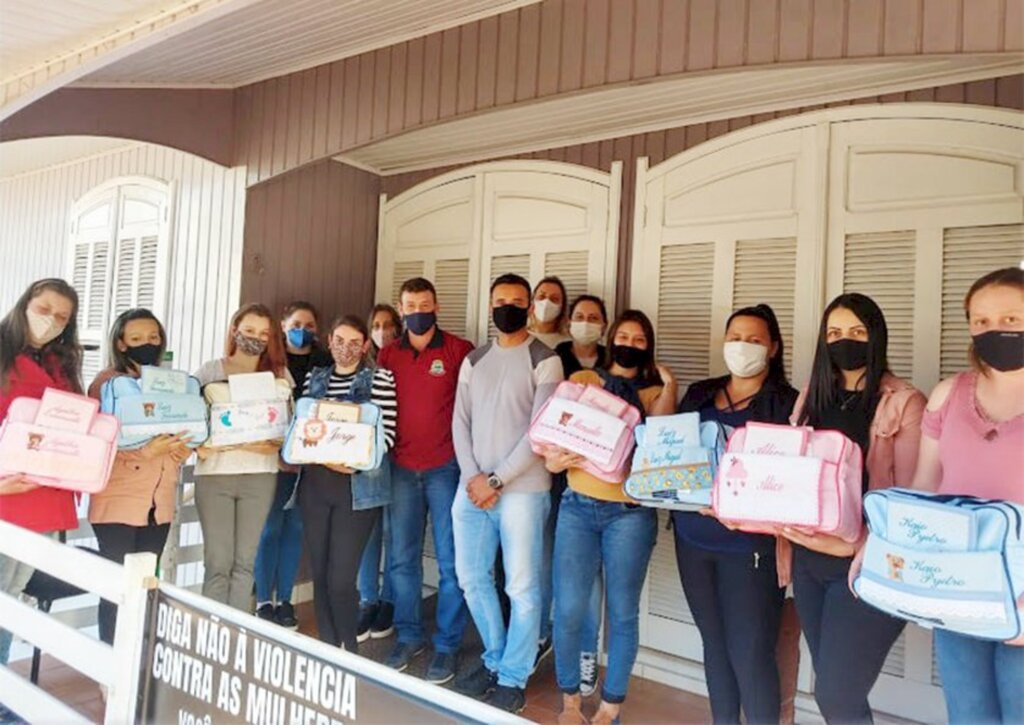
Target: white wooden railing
column 114, row 667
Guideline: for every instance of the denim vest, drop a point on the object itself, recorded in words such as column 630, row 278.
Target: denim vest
column 370, row 489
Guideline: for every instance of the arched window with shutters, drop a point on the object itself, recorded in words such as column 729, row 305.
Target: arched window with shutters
column 118, row 257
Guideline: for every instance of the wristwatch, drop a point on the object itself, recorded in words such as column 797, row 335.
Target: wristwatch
column 494, row 482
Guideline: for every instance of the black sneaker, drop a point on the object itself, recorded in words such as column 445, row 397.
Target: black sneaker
column 442, row 668
column 266, row 612
column 477, row 682
column 384, row 623
column 543, row 650
column 509, row 699
column 588, row 673
column 402, row 655
column 367, row 613
column 284, row 615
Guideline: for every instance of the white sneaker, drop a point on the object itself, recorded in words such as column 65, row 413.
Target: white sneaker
column 588, row 673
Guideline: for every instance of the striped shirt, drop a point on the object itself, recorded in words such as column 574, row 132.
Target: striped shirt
column 382, row 394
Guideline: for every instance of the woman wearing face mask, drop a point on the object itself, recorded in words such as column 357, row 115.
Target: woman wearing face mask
column 588, row 323
column 729, row 577
column 973, row 438
column 385, row 326
column 340, row 506
column 598, row 527
column 851, row 390
column 280, row 547
column 376, row 600
column 134, row 512
column 38, row 349
column 547, row 318
column 235, row 485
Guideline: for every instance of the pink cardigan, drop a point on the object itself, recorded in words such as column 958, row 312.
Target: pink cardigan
column 892, row 453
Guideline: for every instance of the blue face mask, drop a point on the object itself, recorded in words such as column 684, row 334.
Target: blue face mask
column 300, row 337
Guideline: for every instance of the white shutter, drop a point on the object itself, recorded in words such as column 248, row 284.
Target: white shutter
column 765, row 273
column 881, row 266
column 683, row 322
column 403, row 271
column 571, row 268
column 895, row 663
column 666, row 598
column 451, row 280
column 967, row 254
column 118, row 259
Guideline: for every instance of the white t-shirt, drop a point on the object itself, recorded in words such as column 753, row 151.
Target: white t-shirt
column 223, row 463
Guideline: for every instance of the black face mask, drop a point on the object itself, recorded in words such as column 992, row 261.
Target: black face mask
column 847, row 354
column 144, row 354
column 509, row 318
column 629, row 357
column 1001, row 350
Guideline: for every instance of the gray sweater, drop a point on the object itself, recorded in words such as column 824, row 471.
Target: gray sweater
column 500, row 391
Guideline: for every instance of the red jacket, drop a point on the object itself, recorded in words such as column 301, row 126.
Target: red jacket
column 43, row 509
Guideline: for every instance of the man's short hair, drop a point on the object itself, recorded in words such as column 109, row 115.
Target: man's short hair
column 417, row 284
column 512, row 279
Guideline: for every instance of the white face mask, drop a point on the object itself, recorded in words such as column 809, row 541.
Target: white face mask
column 745, row 359
column 585, row 333
column 546, row 310
column 379, row 339
column 42, row 328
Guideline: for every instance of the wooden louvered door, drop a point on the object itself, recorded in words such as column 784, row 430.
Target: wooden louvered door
column 919, row 209
column 93, row 231
column 721, row 229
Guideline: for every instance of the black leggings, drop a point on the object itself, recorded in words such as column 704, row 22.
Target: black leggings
column 335, row 538
column 848, row 639
column 117, row 541
column 737, row 605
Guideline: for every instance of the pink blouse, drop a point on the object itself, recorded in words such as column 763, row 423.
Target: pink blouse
column 979, row 457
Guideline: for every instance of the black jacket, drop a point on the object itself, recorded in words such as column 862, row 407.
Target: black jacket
column 772, row 404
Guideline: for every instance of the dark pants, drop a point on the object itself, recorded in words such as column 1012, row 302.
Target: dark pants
column 335, row 537
column 117, row 541
column 736, row 603
column 848, row 639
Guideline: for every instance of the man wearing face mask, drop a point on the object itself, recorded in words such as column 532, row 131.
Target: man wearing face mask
column 425, row 476
column 503, row 494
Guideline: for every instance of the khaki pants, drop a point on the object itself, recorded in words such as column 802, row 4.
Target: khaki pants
column 232, row 511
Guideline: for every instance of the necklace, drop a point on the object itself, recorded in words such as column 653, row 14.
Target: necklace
column 848, row 398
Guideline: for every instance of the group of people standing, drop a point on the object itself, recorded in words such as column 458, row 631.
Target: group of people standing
column 566, row 549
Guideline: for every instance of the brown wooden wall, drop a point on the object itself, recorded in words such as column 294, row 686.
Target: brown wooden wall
column 657, row 146
column 312, row 234
column 560, row 46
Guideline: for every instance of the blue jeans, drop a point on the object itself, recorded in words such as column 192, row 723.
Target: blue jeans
column 982, row 680
column 413, row 495
column 592, row 625
column 277, row 558
column 372, row 590
column 516, row 521
column 621, row 537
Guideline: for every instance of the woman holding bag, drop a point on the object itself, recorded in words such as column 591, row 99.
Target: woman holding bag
column 134, row 512
column 340, row 506
column 38, row 350
column 972, row 443
column 852, row 391
column 235, row 484
column 600, row 527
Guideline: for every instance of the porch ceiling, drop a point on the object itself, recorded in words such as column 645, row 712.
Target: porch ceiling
column 272, row 38
column 19, row 157
column 629, row 109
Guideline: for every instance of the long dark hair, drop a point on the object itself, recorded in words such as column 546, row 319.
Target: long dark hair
column 119, row 360
column 777, row 363
column 648, row 374
column 825, row 388
column 64, row 350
